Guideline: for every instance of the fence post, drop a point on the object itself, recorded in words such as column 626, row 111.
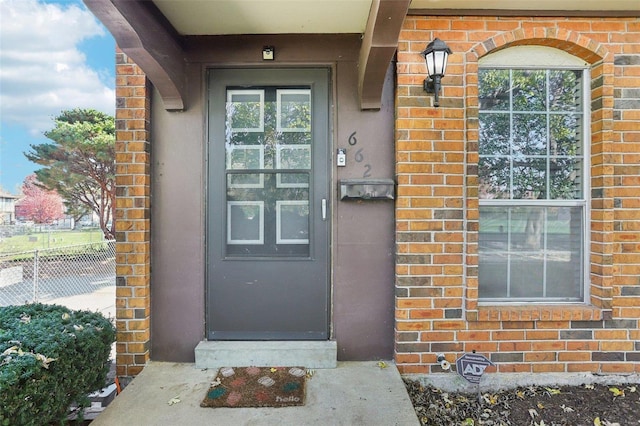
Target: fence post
column 35, row 277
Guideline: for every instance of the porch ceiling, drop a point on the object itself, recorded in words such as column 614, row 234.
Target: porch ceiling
column 152, row 32
column 209, row 17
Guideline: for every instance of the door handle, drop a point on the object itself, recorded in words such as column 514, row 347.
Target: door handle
column 324, row 208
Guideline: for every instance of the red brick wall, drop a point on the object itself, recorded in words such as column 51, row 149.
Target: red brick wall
column 132, row 217
column 437, row 204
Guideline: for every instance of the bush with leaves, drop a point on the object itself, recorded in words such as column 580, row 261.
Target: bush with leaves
column 50, row 358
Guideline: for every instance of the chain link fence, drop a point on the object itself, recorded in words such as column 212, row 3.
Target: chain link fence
column 77, row 276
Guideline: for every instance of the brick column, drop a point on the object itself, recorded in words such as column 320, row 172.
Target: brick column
column 133, row 227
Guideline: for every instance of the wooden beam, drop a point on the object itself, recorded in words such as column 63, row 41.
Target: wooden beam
column 143, row 34
column 379, row 44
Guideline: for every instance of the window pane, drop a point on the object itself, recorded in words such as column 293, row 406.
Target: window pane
column 529, row 178
column 529, row 90
column 566, row 179
column 530, row 134
column 527, row 276
column 564, row 252
column 565, row 90
column 245, row 110
column 494, row 134
column 566, row 134
column 494, row 176
column 294, row 110
column 493, row 242
column 493, row 89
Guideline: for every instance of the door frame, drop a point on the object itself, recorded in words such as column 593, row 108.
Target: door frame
column 270, row 76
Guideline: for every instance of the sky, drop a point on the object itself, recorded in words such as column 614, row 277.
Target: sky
column 54, row 56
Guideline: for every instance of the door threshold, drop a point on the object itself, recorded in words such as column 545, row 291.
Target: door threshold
column 270, row 353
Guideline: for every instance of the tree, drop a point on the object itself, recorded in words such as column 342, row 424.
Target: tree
column 39, row 204
column 80, row 163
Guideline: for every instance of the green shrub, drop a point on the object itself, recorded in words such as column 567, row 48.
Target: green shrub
column 50, row 357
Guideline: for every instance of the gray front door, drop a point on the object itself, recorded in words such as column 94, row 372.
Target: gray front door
column 267, row 216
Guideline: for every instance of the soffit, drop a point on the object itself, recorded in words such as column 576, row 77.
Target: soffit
column 221, row 17
column 218, row 17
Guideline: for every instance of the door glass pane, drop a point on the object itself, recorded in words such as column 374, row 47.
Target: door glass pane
column 268, row 168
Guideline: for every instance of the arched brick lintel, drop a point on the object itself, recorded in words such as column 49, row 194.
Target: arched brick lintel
column 571, row 42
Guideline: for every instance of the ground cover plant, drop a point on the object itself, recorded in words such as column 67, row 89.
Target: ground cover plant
column 587, row 404
column 50, row 358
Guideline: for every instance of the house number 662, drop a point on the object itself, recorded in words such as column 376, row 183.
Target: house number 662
column 359, row 157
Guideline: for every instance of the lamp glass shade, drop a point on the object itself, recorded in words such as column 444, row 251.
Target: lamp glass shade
column 435, row 56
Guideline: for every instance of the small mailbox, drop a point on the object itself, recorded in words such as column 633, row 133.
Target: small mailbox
column 367, row 189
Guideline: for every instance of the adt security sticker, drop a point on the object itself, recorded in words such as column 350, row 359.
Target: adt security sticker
column 472, row 366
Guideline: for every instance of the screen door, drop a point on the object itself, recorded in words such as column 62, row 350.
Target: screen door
column 268, row 217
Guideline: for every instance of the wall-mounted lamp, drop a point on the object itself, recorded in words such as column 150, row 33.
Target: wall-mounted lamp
column 435, row 55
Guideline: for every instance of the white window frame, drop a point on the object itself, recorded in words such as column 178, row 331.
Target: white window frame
column 547, row 58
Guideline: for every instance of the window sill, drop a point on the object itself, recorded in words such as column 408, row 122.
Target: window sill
column 563, row 312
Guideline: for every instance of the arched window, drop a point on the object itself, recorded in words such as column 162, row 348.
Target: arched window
column 533, row 175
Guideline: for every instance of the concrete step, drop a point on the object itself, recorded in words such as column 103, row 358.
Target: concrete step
column 308, row 354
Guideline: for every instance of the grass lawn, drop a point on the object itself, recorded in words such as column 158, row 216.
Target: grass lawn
column 39, row 241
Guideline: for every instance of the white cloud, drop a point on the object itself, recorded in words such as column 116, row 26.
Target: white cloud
column 42, row 71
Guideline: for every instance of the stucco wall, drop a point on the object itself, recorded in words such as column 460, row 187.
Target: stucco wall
column 362, row 233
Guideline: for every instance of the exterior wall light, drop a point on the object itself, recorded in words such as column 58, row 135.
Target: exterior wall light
column 435, row 55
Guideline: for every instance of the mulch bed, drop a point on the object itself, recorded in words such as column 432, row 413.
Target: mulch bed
column 592, row 405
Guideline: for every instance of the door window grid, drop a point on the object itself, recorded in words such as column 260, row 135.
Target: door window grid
column 245, row 222
column 291, row 218
column 246, row 110
column 268, row 133
column 246, row 157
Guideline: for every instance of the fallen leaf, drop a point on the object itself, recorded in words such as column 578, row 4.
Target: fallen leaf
column 632, row 389
column 11, row 350
column 616, row 392
column 468, row 422
column 567, row 409
column 490, row 399
column 520, row 394
column 597, row 422
column 44, row 360
column 540, row 405
column 382, row 364
column 589, row 386
column 273, row 370
column 173, row 400
column 533, row 413
column 553, row 391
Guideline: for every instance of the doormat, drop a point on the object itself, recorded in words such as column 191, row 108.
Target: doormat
column 257, row 387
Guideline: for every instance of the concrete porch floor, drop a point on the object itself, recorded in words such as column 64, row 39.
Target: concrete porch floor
column 354, row 393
